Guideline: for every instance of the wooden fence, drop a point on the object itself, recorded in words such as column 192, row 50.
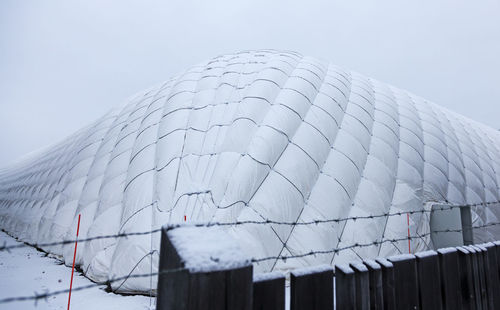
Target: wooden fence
column 465, row 277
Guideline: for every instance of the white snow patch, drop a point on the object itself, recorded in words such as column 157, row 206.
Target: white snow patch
column 359, row 267
column 313, row 269
column 26, row 271
column 372, row 264
column 446, row 250
column 258, row 277
column 426, row 254
column 345, row 268
column 400, row 257
column 205, row 249
column 384, row 262
column 480, row 247
column 471, row 249
column 488, row 245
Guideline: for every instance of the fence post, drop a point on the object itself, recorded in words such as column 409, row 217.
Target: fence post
column 209, row 278
column 345, row 287
column 466, row 219
column 483, row 265
column 429, row 280
column 269, row 291
column 405, row 278
column 450, row 278
column 362, row 282
column 497, row 250
column 388, row 283
column 311, row 288
column 494, row 280
column 376, row 291
column 466, row 278
column 475, row 276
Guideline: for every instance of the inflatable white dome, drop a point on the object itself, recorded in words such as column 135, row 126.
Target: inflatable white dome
column 257, row 135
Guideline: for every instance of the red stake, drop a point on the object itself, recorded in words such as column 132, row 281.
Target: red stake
column 184, row 218
column 74, row 256
column 408, row 220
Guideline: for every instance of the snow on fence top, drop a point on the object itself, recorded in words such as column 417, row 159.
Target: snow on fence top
column 401, row 257
column 372, row 264
column 258, row 277
column 446, row 250
column 345, row 268
column 384, row 262
column 425, row 254
column 309, row 270
column 359, row 267
column 205, row 249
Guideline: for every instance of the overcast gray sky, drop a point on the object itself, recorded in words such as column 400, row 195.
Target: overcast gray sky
column 65, row 63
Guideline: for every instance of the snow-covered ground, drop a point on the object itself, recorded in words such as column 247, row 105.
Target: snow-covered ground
column 26, row 271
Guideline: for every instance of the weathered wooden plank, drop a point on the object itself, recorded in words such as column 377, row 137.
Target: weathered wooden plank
column 450, row 278
column 466, row 278
column 376, row 288
column 497, row 250
column 206, row 291
column 406, row 282
column 493, row 274
column 311, row 288
column 196, row 278
column 269, row 291
column 173, row 288
column 483, row 275
column 362, row 282
column 239, row 288
column 476, row 277
column 388, row 283
column 429, row 280
column 345, row 287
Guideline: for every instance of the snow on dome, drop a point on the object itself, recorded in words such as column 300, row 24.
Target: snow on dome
column 257, row 135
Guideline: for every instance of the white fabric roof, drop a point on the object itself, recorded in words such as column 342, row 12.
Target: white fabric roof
column 258, row 135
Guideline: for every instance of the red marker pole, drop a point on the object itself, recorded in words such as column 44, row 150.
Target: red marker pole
column 408, row 221
column 74, row 256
